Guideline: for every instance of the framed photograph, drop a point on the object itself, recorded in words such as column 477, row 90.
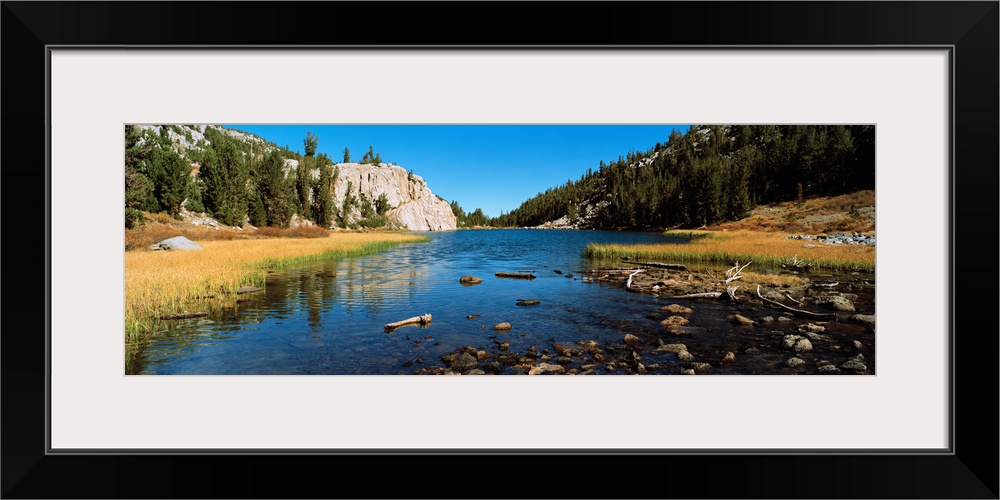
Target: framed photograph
column 915, row 82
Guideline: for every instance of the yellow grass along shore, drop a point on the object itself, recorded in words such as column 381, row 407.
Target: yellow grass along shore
column 767, row 249
column 159, row 284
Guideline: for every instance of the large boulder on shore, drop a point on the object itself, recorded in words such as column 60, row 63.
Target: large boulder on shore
column 175, row 243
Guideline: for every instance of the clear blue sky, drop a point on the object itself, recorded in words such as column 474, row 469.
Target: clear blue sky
column 493, row 167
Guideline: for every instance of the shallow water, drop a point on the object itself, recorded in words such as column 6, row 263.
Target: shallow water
column 328, row 318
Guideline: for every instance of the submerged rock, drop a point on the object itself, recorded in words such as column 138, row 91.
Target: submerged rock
column 631, row 339
column 469, row 280
column 684, row 356
column 502, row 326
column 674, row 321
column 670, row 349
column 463, row 362
column 676, row 309
column 741, row 320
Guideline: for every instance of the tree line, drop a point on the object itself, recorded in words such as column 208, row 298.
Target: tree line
column 709, row 174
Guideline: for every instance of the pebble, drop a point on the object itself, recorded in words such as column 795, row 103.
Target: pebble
column 729, row 358
column 795, row 362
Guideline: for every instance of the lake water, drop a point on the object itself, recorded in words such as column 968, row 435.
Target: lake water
column 328, row 318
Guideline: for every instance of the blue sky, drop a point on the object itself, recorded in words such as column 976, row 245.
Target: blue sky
column 493, row 167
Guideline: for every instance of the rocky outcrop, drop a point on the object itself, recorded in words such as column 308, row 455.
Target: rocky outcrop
column 413, row 204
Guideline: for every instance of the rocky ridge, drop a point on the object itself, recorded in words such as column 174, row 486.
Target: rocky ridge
column 413, row 204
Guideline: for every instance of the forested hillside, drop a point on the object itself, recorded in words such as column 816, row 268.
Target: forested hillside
column 239, row 178
column 707, row 175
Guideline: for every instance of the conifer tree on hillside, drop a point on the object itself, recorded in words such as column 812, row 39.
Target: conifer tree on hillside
column 224, row 175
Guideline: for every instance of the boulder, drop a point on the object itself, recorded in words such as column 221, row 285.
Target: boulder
column 463, row 362
column 175, row 243
column 796, row 343
column 837, row 303
column 546, row 369
column 868, row 319
column 502, row 326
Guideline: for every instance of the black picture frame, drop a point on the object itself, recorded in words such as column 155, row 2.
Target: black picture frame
column 969, row 28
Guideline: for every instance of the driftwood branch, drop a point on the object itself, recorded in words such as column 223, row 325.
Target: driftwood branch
column 416, row 320
column 705, row 295
column 675, row 267
column 728, row 295
column 797, row 312
column 734, row 273
column 628, row 284
column 799, row 302
column 526, row 276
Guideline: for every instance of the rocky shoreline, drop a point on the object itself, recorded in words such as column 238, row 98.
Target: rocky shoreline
column 699, row 335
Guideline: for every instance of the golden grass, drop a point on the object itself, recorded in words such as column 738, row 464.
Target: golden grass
column 163, row 283
column 843, row 213
column 766, row 249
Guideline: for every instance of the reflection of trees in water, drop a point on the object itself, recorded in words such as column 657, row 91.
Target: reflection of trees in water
column 374, row 282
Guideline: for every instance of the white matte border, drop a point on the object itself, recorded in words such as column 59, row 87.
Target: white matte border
column 903, row 92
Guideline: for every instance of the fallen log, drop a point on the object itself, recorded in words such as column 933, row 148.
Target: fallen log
column 797, row 312
column 416, row 320
column 185, row 315
column 675, row 267
column 526, row 276
column 729, row 295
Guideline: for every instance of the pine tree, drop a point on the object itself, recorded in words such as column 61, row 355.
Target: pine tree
column 347, row 155
column 310, row 143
